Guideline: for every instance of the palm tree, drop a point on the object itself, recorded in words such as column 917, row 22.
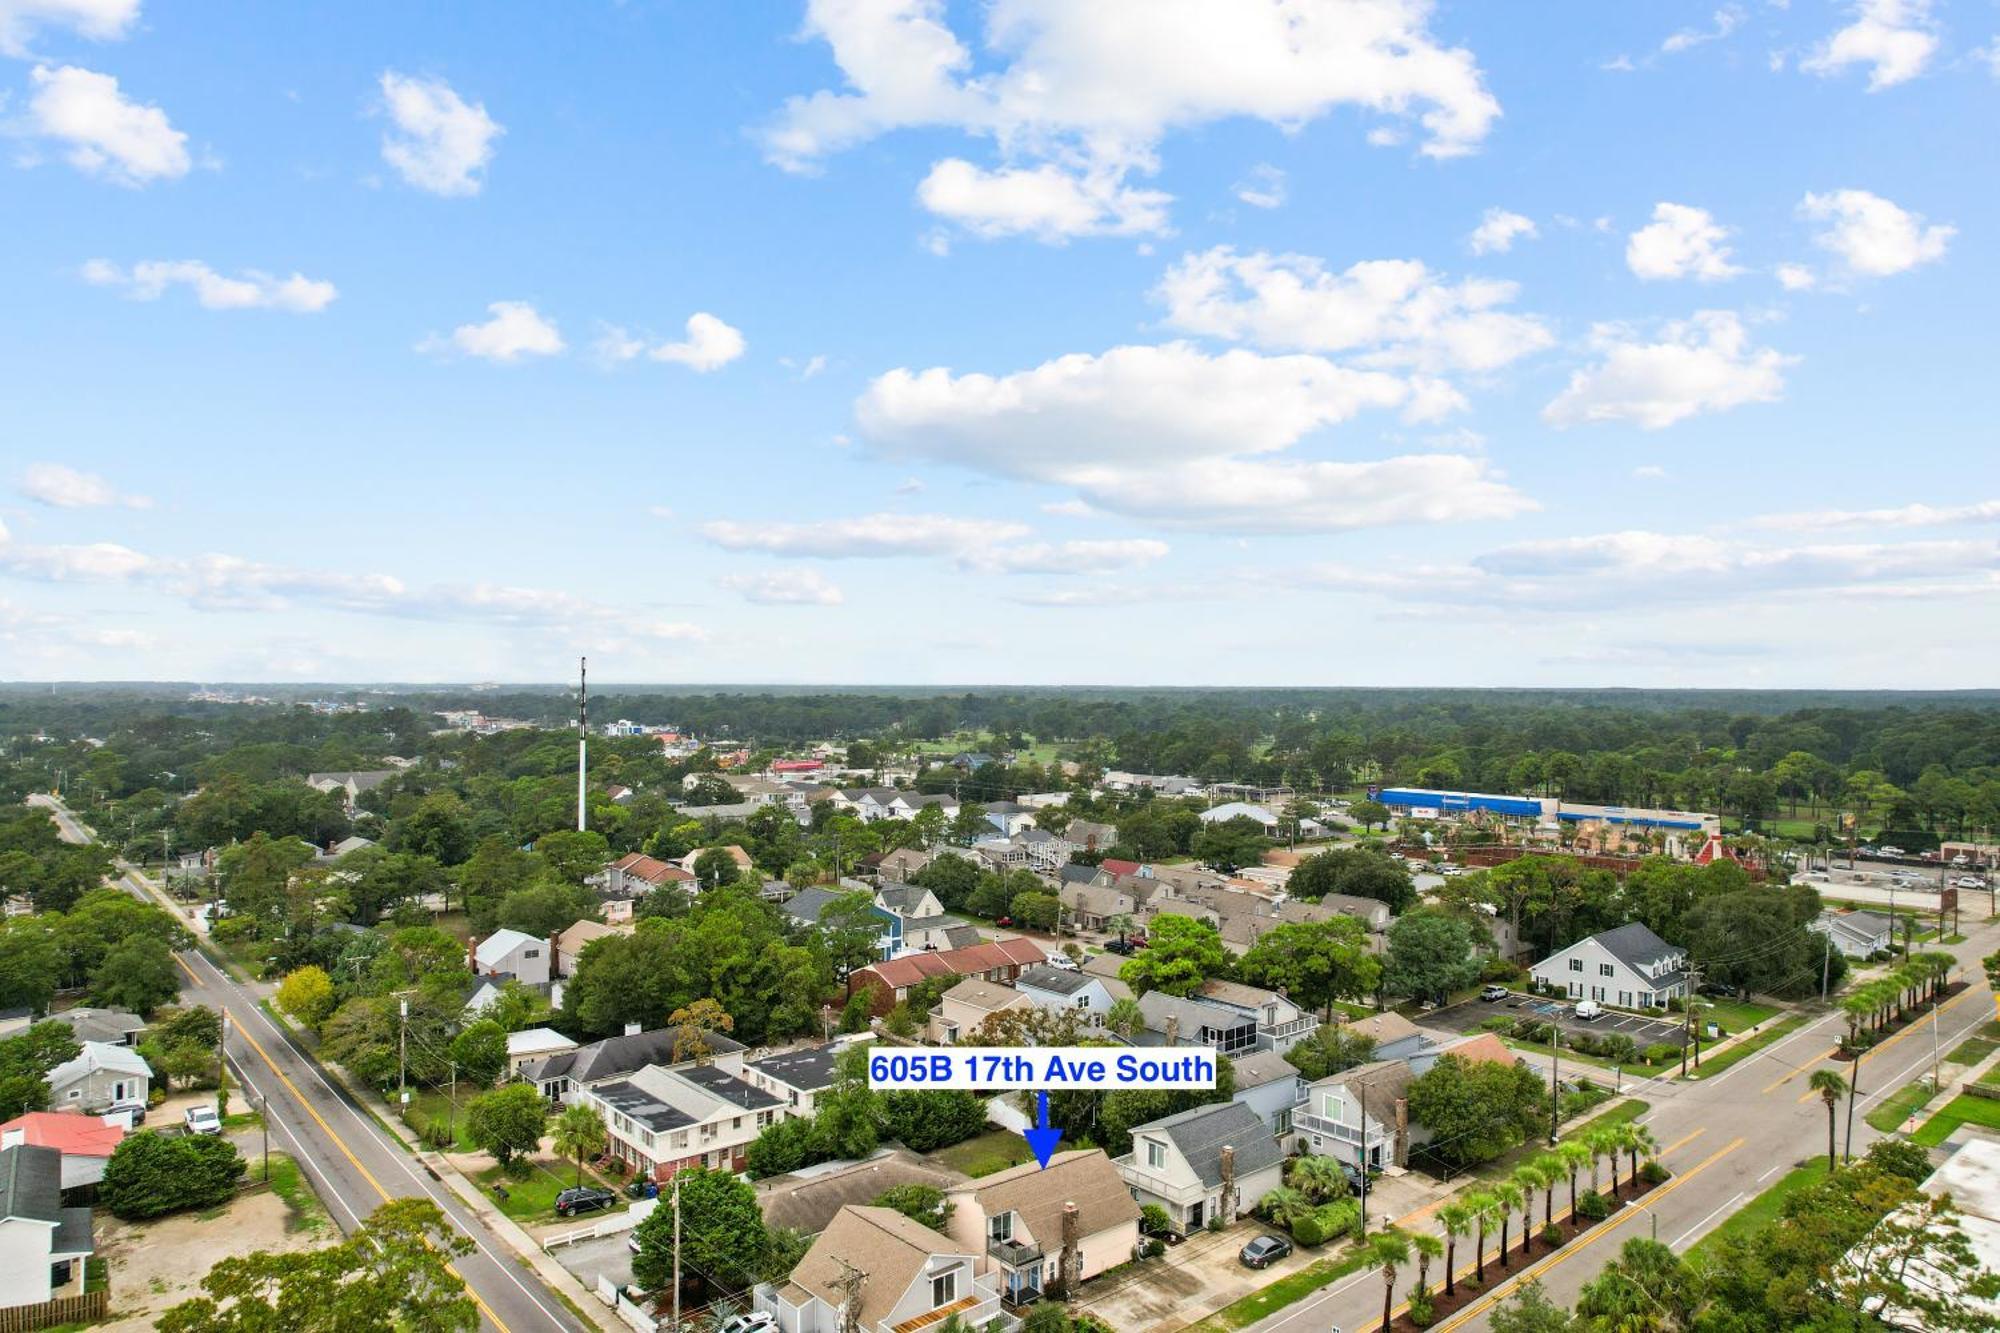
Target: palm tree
column 1831, row 1087
column 1528, row 1178
column 1284, row 1206
column 1427, row 1248
column 1456, row 1219
column 1481, row 1205
column 1389, row 1250
column 1320, row 1178
column 579, row 1133
column 1506, row 1198
column 1574, row 1153
column 1125, row 1017
column 1602, row 1143
column 1639, row 1141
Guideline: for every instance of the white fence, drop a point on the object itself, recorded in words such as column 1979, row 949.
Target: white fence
column 640, row 1319
column 608, row 1225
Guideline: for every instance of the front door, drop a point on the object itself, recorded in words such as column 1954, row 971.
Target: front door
column 1195, row 1221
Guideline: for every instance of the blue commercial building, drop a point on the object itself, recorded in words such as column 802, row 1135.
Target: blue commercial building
column 1423, row 802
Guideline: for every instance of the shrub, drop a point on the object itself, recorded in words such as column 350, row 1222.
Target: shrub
column 1215, row 1224
column 150, row 1175
column 1046, row 1317
column 1593, row 1207
column 1503, row 1024
column 1421, row 1311
column 1154, row 1221
column 1308, row 1232
column 1653, row 1173
column 1152, row 1248
column 1552, row 1235
column 1662, row 1053
column 1338, row 1218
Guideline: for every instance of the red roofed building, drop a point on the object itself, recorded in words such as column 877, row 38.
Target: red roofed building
column 1486, row 1046
column 796, row 766
column 636, row 874
column 1119, row 866
column 994, row 960
column 1713, row 850
column 85, row 1141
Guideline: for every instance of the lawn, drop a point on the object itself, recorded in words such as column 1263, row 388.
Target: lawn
column 1763, row 1210
column 984, row 1154
column 1889, row 1115
column 1734, row 1015
column 1283, row 1292
column 1502, row 1166
column 1972, row 1050
column 1964, row 1109
column 289, row 1183
column 1749, row 1046
column 531, row 1197
column 428, row 1107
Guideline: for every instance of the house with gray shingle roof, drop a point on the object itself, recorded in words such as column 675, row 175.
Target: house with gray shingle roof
column 1214, row 1161
column 43, row 1245
column 1628, row 966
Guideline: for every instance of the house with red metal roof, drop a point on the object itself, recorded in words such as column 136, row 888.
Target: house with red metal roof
column 85, row 1141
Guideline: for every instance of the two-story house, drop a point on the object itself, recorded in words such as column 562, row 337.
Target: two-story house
column 1171, row 1021
column 1395, row 1037
column 963, row 1009
column 1213, row 1161
column 1086, row 835
column 1360, row 1115
column 1046, row 1230
column 1096, row 906
column 636, row 875
column 1281, row 1024
column 43, row 1245
column 1628, row 966
column 99, row 1076
column 1009, row 817
column 794, row 1077
column 662, row 1120
column 513, row 953
column 874, row 1270
column 1271, row 1086
column 1056, row 988
column 994, row 960
column 557, row 1075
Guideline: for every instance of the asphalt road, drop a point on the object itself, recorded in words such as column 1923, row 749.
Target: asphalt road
column 1726, row 1139
column 351, row 1160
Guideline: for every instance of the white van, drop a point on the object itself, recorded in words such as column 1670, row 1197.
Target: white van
column 1588, row 1009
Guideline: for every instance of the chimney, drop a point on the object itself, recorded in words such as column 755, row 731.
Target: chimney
column 1173, row 1029
column 1402, row 1143
column 1226, row 1206
column 1070, row 1270
column 632, row 1029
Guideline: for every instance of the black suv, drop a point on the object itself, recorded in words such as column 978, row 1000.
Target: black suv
column 586, row 1199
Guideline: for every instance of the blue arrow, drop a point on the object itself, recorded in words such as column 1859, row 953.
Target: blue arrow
column 1042, row 1140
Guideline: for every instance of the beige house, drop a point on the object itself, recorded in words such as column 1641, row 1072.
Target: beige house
column 965, row 1006
column 1047, row 1230
column 874, row 1270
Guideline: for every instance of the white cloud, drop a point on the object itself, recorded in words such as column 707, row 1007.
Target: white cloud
column 516, row 330
column 1649, row 472
column 710, row 345
column 1046, row 202
column 1906, row 516
column 1263, row 187
column 1073, row 557
column 1796, row 277
column 1174, row 434
column 1873, row 237
column 784, row 587
column 1680, row 242
column 1894, row 38
column 66, row 488
column 251, row 290
column 1702, row 364
column 1726, row 20
column 1497, row 231
column 440, row 143
column 1393, row 312
column 1071, row 90
column 873, row 536
column 109, row 136
column 99, row 20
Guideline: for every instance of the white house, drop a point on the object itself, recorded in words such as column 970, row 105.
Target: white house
column 1222, row 814
column 1046, row 1230
column 1055, row 988
column 661, row 1120
column 914, row 1278
column 1213, row 1161
column 1857, row 934
column 43, row 1245
column 513, row 953
column 1359, row 1115
column 100, row 1075
column 350, row 785
column 794, row 1077
column 1629, row 966
column 1010, row 817
column 535, row 1044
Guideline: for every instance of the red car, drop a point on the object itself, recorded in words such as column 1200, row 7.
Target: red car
column 1003, row 921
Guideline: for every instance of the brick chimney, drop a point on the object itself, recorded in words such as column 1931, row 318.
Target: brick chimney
column 1173, row 1029
column 1401, row 1145
column 1226, row 1206
column 1069, row 1271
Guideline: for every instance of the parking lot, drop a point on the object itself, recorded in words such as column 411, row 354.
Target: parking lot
column 607, row 1256
column 1470, row 1015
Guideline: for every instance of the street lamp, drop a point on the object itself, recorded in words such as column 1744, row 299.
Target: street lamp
column 264, row 1126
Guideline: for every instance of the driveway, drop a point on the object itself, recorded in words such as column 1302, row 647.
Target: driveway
column 607, row 1256
column 1188, row 1283
column 1470, row 1015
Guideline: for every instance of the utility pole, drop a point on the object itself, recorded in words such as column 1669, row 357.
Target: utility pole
column 1826, row 966
column 582, row 733
column 1853, row 1087
column 677, row 1249
column 1555, row 1080
column 263, row 1105
column 222, row 1070
column 849, row 1285
column 402, row 1052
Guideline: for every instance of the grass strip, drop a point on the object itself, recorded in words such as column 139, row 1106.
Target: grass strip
column 1714, row 1064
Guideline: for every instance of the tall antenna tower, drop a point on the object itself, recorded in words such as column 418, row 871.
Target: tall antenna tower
column 582, row 735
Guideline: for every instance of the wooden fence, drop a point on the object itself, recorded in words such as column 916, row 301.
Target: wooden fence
column 83, row 1309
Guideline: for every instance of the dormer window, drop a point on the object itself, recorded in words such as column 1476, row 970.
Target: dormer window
column 1000, row 1227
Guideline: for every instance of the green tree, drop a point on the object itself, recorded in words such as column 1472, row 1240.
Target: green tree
column 1360, row 872
column 924, row 1121
column 573, row 856
column 1431, row 955
column 924, row 1204
column 149, row 1174
column 545, row 907
column 1369, row 814
column 847, row 1114
column 722, row 1232
column 1330, row 1049
column 1314, row 962
column 851, row 927
column 579, row 1133
column 1034, row 909
column 694, row 1024
column 393, row 1274
column 306, row 994
column 1183, row 953
column 716, row 867
column 1529, row 1310
column 1388, row 1250
column 139, row 974
column 1831, row 1087
column 480, row 1052
column 25, row 1062
column 1230, row 844
column 1477, row 1109
column 507, row 1121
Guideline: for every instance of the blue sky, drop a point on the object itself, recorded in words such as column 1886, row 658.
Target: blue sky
column 1309, row 341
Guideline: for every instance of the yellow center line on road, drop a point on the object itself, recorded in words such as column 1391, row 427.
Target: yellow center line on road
column 1917, row 1026
column 243, row 1031
column 1824, row 1055
column 1487, row 1299
column 1682, row 1143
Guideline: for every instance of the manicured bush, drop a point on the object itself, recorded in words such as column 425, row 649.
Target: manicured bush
column 1662, row 1053
column 1154, row 1220
column 1422, row 1312
column 1653, row 1173
column 1215, row 1224
column 150, row 1174
column 1338, row 1218
column 1308, row 1232
column 1152, row 1248
column 1552, row 1235
column 1593, row 1207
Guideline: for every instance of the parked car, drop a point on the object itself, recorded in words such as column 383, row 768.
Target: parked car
column 137, row 1110
column 1003, row 920
column 1493, row 992
column 1894, row 851
column 1589, row 1009
column 754, row 1321
column 1267, row 1249
column 583, row 1199
column 202, row 1120
column 1062, row 962
column 1968, row 882
column 1121, row 947
column 1137, row 939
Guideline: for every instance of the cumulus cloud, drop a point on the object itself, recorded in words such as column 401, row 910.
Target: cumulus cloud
column 99, row 20
column 872, row 536
column 1074, row 105
column 1390, row 312
column 108, row 134
column 1904, row 516
column 515, row 330
column 249, row 290
column 1497, row 231
column 1872, row 237
column 1796, row 277
column 1263, row 187
column 1176, row 435
column 1702, row 364
column 710, row 344
column 1725, row 21
column 439, row 142
column 1680, row 242
column 784, row 587
column 64, row 487
column 1895, row 39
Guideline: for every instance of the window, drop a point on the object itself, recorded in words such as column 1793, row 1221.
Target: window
column 1604, row 969
column 531, row 953
column 944, row 1289
column 1083, row 1002
column 1576, row 965
column 680, row 1138
column 1000, row 1226
column 1156, row 1154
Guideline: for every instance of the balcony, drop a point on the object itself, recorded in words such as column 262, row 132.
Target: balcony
column 1175, row 1192
column 1013, row 1253
column 976, row 1310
